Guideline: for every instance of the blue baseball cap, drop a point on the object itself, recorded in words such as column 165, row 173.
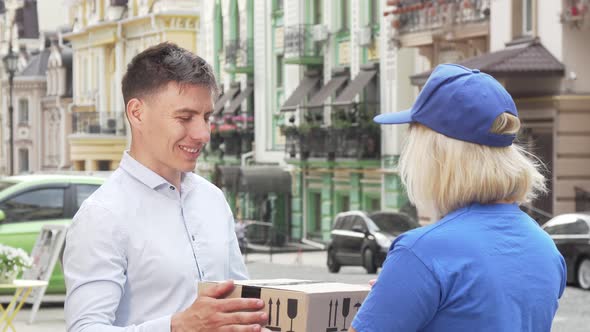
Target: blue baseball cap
column 460, row 103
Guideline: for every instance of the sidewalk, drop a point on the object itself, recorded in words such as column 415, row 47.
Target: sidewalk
column 288, row 247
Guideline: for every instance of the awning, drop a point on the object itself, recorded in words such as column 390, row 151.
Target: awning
column 230, row 177
column 265, row 180
column 228, row 95
column 236, row 102
column 521, row 58
column 327, row 90
column 355, row 87
column 306, row 85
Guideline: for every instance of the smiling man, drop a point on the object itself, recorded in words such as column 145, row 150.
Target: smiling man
column 139, row 245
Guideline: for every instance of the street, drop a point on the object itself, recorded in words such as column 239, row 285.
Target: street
column 572, row 316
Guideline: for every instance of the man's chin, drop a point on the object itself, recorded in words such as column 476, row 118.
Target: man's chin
column 189, row 166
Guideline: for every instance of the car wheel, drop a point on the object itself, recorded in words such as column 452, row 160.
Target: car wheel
column 584, row 274
column 369, row 261
column 333, row 265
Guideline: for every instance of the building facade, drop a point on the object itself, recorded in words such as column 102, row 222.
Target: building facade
column 537, row 50
column 310, row 74
column 106, row 35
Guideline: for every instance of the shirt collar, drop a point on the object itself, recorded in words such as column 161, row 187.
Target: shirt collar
column 142, row 173
column 492, row 207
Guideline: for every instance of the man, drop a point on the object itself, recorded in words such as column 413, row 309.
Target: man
column 139, row 245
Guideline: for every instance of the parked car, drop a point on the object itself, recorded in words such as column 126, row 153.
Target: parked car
column 571, row 233
column 30, row 201
column 359, row 238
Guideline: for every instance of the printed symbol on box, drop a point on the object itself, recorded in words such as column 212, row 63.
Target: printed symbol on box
column 291, row 311
column 345, row 311
column 330, row 328
column 357, row 306
column 269, row 326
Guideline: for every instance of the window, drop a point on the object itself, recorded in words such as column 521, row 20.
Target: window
column 374, row 14
column 374, row 204
column 103, row 165
column 359, row 223
column 344, row 15
column 278, row 5
column 346, row 223
column 35, row 205
column 317, row 11
column 23, row 111
column 527, row 17
column 315, row 200
column 280, row 71
column 23, row 160
column 344, row 203
column 392, row 222
column 83, row 191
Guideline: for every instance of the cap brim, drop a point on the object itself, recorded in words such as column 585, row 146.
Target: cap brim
column 394, row 117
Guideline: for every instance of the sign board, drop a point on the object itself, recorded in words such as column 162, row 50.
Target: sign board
column 44, row 255
column 302, row 305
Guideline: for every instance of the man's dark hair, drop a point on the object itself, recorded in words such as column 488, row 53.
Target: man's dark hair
column 161, row 64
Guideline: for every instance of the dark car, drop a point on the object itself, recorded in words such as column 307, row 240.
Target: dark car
column 358, row 238
column 571, row 233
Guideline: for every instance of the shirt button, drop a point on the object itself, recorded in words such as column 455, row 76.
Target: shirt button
column 171, row 187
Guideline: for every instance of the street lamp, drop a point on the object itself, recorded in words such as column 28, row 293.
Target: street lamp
column 11, row 65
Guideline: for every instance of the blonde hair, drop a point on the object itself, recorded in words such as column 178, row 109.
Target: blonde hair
column 445, row 174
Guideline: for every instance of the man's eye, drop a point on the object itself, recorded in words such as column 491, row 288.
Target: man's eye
column 185, row 119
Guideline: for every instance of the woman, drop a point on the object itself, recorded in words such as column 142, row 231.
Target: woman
column 486, row 265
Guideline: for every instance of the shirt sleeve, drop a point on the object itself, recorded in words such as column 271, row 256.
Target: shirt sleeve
column 95, row 267
column 237, row 268
column 405, row 297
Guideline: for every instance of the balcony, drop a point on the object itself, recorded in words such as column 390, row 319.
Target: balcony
column 239, row 56
column 99, row 123
column 232, row 136
column 299, row 46
column 352, row 136
column 454, row 18
column 98, row 138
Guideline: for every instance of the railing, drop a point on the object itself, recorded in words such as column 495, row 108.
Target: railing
column 353, row 134
column 358, row 142
column 232, row 142
column 582, row 199
column 99, row 123
column 420, row 15
column 239, row 52
column 298, row 41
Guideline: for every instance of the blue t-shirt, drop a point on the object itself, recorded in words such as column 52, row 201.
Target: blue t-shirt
column 480, row 268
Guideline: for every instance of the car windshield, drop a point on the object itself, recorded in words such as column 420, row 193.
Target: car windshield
column 6, row 184
column 392, row 223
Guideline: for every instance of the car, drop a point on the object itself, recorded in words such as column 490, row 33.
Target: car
column 27, row 202
column 571, row 234
column 358, row 238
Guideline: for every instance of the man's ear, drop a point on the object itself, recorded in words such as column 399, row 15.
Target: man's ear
column 135, row 112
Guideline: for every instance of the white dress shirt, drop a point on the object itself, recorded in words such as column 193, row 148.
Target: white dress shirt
column 137, row 248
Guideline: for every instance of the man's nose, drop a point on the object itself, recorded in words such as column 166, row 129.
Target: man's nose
column 200, row 131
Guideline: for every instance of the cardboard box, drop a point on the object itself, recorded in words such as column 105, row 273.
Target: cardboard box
column 303, row 305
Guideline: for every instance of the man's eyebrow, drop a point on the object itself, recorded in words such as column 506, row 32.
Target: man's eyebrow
column 192, row 111
column 186, row 110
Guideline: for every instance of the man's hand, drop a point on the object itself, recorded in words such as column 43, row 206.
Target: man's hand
column 210, row 312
